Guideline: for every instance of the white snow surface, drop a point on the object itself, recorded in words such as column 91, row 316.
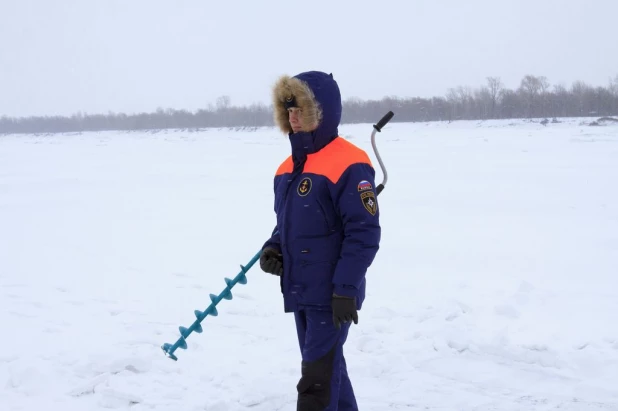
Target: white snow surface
column 495, row 288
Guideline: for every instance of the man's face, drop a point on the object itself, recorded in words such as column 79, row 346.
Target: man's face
column 294, row 115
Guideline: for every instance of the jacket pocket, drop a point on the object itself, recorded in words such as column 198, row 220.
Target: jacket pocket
column 315, row 263
column 315, row 282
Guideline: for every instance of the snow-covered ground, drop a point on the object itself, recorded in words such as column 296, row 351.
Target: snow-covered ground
column 496, row 287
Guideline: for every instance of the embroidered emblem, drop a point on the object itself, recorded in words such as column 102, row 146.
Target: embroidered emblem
column 290, row 102
column 364, row 185
column 369, row 201
column 304, row 187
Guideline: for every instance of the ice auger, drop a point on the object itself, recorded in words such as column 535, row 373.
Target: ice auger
column 241, row 277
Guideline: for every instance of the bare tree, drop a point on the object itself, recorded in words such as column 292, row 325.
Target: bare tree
column 452, row 99
column 483, row 100
column 613, row 89
column 494, row 84
column 530, row 88
column 511, row 104
column 543, row 87
column 560, row 101
column 223, row 102
column 581, row 92
column 466, row 98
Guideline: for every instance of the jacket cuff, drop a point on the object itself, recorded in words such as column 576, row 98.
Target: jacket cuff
column 345, row 290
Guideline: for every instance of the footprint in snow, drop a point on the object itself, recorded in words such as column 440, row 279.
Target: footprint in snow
column 110, row 398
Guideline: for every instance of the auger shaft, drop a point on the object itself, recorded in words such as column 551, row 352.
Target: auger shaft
column 226, row 294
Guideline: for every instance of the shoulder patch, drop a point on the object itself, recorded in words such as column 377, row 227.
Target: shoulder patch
column 369, row 202
column 364, row 185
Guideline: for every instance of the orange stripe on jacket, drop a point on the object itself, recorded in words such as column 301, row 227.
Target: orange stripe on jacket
column 330, row 162
column 286, row 167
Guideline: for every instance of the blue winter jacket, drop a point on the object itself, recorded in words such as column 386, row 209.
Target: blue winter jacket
column 326, row 207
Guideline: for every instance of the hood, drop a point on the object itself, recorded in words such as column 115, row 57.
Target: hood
column 318, row 95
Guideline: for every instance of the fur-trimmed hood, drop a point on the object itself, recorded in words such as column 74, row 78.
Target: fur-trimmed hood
column 317, row 94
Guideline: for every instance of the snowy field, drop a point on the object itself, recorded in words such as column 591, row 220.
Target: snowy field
column 496, row 287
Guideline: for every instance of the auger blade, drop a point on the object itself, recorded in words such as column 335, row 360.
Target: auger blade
column 199, row 315
column 167, row 350
column 227, row 294
column 242, row 279
column 182, row 344
column 184, row 331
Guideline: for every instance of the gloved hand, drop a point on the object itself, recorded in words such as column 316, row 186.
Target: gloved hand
column 344, row 310
column 271, row 261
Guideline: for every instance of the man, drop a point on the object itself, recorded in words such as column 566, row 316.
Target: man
column 327, row 234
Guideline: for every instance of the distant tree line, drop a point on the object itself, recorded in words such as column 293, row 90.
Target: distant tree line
column 534, row 98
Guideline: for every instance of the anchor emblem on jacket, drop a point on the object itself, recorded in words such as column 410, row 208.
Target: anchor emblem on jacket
column 304, row 187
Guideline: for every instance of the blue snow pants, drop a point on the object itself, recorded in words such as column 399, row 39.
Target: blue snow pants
column 324, row 384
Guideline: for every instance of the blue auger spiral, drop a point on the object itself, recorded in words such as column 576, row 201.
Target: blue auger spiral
column 211, row 310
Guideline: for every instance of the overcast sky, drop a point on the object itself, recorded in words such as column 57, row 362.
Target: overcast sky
column 95, row 56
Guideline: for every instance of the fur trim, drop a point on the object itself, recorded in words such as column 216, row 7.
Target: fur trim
column 287, row 87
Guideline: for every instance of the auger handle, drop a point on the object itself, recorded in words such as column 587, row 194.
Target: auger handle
column 378, row 127
column 387, row 117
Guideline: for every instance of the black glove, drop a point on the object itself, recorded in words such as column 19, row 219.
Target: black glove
column 271, row 261
column 344, row 310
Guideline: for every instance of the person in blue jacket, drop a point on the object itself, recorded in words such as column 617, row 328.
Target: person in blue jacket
column 326, row 236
